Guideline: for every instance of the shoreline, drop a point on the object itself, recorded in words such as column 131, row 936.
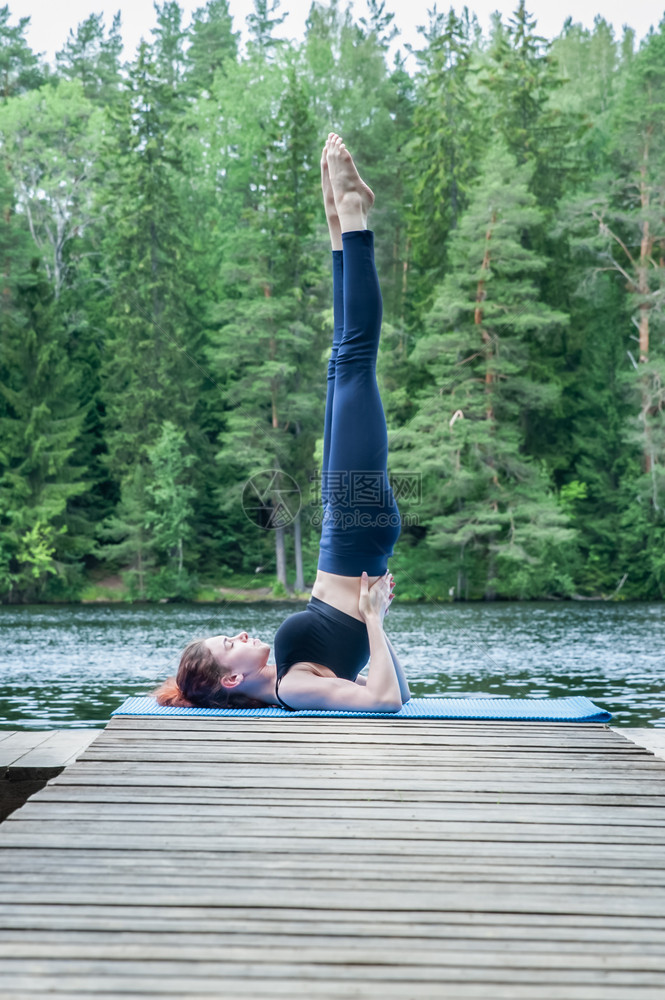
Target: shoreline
column 267, row 595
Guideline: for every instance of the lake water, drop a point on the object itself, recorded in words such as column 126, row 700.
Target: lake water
column 68, row 666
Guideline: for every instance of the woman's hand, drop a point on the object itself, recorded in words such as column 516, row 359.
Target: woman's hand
column 374, row 601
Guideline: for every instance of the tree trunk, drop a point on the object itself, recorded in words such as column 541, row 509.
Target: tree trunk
column 141, row 573
column 490, row 592
column 478, row 320
column 297, row 544
column 280, row 555
column 405, row 288
column 646, row 247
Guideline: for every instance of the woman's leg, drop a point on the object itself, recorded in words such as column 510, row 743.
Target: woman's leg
column 335, row 230
column 361, row 522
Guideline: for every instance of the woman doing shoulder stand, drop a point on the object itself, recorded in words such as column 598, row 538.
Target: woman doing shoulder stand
column 319, row 652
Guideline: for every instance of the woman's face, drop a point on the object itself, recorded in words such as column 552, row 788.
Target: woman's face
column 239, row 654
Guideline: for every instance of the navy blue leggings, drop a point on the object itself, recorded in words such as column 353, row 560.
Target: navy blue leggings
column 361, row 520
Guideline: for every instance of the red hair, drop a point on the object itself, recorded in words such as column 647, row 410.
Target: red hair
column 199, row 683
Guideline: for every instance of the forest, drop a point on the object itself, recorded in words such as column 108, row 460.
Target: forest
column 166, row 306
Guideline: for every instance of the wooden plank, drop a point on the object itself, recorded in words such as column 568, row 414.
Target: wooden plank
column 340, row 860
column 547, row 763
column 120, row 868
column 375, row 811
column 651, row 739
column 391, row 968
column 275, row 934
column 130, row 918
column 408, row 778
column 524, row 899
column 295, row 737
column 110, row 794
column 175, row 830
column 73, row 988
column 335, row 953
column 50, row 756
column 18, row 743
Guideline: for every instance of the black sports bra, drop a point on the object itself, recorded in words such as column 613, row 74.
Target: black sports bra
column 321, row 634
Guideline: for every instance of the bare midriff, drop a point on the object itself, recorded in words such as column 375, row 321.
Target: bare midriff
column 342, row 592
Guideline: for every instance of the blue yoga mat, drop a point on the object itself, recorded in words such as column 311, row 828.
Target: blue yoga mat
column 578, row 709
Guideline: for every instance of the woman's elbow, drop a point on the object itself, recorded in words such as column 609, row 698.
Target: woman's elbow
column 388, row 705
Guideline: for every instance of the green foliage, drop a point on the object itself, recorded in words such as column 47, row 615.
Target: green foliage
column 50, row 140
column 171, row 513
column 93, row 58
column 486, row 501
column 444, row 147
column 125, row 536
column 165, row 309
column 279, row 591
column 212, row 42
column 40, row 421
column 19, row 66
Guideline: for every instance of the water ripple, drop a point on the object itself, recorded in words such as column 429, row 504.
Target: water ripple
column 70, row 666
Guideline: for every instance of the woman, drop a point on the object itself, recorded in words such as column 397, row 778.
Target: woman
column 319, row 652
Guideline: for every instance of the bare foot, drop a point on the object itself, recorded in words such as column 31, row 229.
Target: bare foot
column 353, row 198
column 329, row 201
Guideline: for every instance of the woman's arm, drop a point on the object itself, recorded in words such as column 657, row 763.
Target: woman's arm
column 382, row 680
column 399, row 670
column 381, row 691
column 401, row 676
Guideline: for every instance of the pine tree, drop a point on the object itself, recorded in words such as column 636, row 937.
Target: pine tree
column 125, row 535
column 40, row 422
column 19, row 66
column 212, row 43
column 167, row 53
column 94, row 58
column 445, row 147
column 268, row 326
column 616, row 229
column 484, row 499
column 521, row 77
column 150, row 307
column 261, row 25
column 171, row 515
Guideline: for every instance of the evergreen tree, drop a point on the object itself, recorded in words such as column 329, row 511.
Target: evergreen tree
column 151, row 314
column 261, row 25
column 522, row 77
column 212, row 42
column 167, row 53
column 170, row 338
column 126, row 538
column 40, row 422
column 94, row 58
column 593, row 461
column 171, row 515
column 484, row 499
column 589, row 63
column 268, row 326
column 616, row 227
column 443, row 152
column 354, row 92
column 19, row 66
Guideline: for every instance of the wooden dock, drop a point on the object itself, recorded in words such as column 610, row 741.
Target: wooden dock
column 337, row 858
column 28, row 758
